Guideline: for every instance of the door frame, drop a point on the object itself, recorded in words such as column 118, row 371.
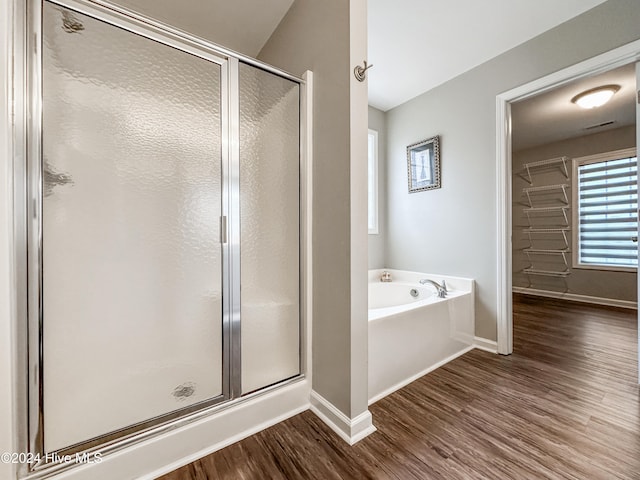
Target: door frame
column 629, row 53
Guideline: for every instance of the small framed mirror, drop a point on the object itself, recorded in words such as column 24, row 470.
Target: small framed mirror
column 423, row 165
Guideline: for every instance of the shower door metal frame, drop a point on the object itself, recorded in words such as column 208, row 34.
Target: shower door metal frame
column 35, row 229
column 28, row 229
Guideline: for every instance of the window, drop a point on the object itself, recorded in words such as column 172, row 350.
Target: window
column 606, row 211
column 373, row 182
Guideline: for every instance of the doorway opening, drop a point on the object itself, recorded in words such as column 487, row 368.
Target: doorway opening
column 574, row 193
column 506, row 104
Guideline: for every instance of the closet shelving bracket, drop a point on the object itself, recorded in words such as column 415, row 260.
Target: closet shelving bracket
column 546, row 231
column 547, row 273
column 560, row 161
column 563, row 209
column 548, row 251
column 561, row 187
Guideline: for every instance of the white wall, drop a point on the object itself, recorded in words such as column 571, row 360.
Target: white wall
column 378, row 243
column 453, row 230
column 596, row 283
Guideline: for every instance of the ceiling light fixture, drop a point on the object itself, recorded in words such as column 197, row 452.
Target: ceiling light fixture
column 595, row 97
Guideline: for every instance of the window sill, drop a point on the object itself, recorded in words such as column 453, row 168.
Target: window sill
column 609, row 268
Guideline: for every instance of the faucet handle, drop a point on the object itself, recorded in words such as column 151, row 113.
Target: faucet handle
column 444, row 286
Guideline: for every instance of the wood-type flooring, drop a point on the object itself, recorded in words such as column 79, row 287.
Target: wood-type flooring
column 565, row 405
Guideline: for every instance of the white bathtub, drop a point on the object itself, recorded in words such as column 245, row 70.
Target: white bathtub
column 410, row 336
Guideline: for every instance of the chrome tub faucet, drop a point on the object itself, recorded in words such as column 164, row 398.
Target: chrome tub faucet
column 442, row 289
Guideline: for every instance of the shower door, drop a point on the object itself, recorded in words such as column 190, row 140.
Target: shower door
column 131, row 252
column 163, row 218
column 269, row 227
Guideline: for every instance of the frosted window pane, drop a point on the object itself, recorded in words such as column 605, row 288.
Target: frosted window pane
column 269, row 209
column 132, row 288
column 373, row 181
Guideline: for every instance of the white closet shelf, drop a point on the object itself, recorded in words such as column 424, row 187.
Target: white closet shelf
column 547, row 273
column 543, row 188
column 560, row 188
column 550, row 161
column 547, row 251
column 549, row 231
column 561, row 161
column 547, row 209
column 546, row 230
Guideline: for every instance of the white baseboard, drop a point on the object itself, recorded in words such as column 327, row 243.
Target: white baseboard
column 225, row 443
column 350, row 430
column 610, row 302
column 485, row 344
column 159, row 455
column 413, row 378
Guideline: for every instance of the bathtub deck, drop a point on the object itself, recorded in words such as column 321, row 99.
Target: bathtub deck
column 565, row 405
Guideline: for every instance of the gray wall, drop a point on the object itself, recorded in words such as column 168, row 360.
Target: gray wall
column 378, row 243
column 453, row 230
column 315, row 36
column 598, row 283
column 240, row 25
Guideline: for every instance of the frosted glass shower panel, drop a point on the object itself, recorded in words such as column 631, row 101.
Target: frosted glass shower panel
column 132, row 301
column 269, row 213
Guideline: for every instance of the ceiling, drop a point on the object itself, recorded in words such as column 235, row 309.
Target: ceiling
column 417, row 45
column 240, row 25
column 551, row 116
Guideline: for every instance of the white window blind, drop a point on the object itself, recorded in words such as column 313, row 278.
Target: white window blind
column 608, row 212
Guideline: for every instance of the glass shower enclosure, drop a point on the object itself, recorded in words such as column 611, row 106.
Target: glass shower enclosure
column 163, row 227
